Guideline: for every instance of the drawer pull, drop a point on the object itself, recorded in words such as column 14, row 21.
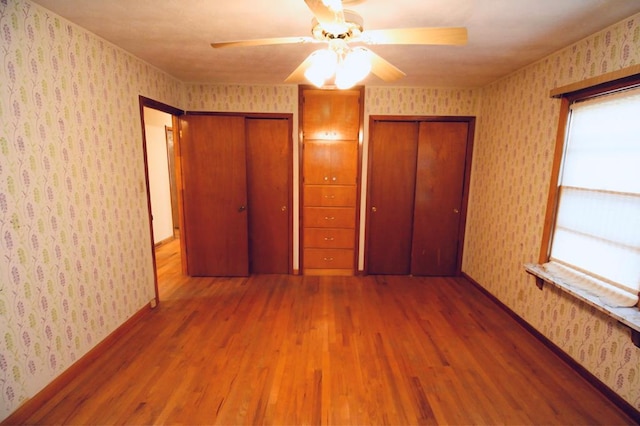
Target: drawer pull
column 330, row 196
column 328, row 259
column 329, row 218
column 334, row 178
column 328, row 238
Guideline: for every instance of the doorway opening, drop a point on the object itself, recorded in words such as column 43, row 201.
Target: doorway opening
column 160, row 149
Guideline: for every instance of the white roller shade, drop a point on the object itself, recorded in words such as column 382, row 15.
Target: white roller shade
column 598, row 219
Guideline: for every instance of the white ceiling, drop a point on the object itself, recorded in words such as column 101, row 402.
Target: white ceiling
column 504, row 35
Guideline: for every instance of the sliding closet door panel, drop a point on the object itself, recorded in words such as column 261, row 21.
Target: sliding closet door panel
column 268, row 182
column 438, row 199
column 214, row 174
column 392, row 170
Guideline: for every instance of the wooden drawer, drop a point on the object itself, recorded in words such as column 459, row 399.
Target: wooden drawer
column 330, row 195
column 329, row 238
column 328, row 258
column 329, row 217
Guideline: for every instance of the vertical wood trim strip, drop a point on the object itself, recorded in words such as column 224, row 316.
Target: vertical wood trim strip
column 177, row 159
column 552, row 198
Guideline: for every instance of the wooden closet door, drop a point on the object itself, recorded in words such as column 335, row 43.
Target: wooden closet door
column 442, row 148
column 268, row 183
column 392, row 171
column 215, row 188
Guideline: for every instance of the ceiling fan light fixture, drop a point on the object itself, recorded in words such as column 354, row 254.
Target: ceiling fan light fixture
column 353, row 69
column 334, row 5
column 323, row 65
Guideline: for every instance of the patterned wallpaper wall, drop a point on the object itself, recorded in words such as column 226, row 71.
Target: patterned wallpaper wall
column 420, row 101
column 75, row 254
column 512, row 161
column 241, row 98
column 74, row 233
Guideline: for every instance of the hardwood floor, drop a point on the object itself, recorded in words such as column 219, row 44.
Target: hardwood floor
column 278, row 349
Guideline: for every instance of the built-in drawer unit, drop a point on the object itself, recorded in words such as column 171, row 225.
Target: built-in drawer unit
column 330, row 156
column 317, row 258
column 329, row 238
column 329, row 217
column 330, row 195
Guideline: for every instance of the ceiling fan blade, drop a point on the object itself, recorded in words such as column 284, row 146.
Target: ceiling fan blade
column 297, row 76
column 384, row 69
column 263, row 42
column 435, row 35
column 327, row 12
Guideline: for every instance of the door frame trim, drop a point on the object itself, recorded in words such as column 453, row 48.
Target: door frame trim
column 175, row 113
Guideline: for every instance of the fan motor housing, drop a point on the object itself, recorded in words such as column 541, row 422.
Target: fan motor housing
column 351, row 28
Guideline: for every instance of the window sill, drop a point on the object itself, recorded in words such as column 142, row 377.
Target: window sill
column 630, row 317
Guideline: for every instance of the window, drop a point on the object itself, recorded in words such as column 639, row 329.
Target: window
column 594, row 235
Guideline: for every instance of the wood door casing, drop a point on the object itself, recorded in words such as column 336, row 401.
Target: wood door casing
column 440, row 176
column 392, row 170
column 215, row 196
column 268, row 188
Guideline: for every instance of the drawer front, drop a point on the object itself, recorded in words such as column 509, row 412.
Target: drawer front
column 328, row 258
column 329, row 237
column 330, row 195
column 329, row 217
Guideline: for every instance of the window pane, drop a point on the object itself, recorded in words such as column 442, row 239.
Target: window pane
column 598, row 217
column 603, row 145
column 606, row 216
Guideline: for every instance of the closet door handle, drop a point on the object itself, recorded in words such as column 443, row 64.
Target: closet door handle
column 374, row 209
column 242, row 208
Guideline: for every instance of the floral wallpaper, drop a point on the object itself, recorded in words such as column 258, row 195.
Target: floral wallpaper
column 75, row 250
column 75, row 260
column 513, row 155
column 420, row 101
column 241, row 98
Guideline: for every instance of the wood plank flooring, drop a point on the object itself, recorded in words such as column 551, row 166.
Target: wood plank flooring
column 278, row 349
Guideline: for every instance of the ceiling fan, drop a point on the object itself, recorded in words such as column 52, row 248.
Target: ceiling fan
column 339, row 27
